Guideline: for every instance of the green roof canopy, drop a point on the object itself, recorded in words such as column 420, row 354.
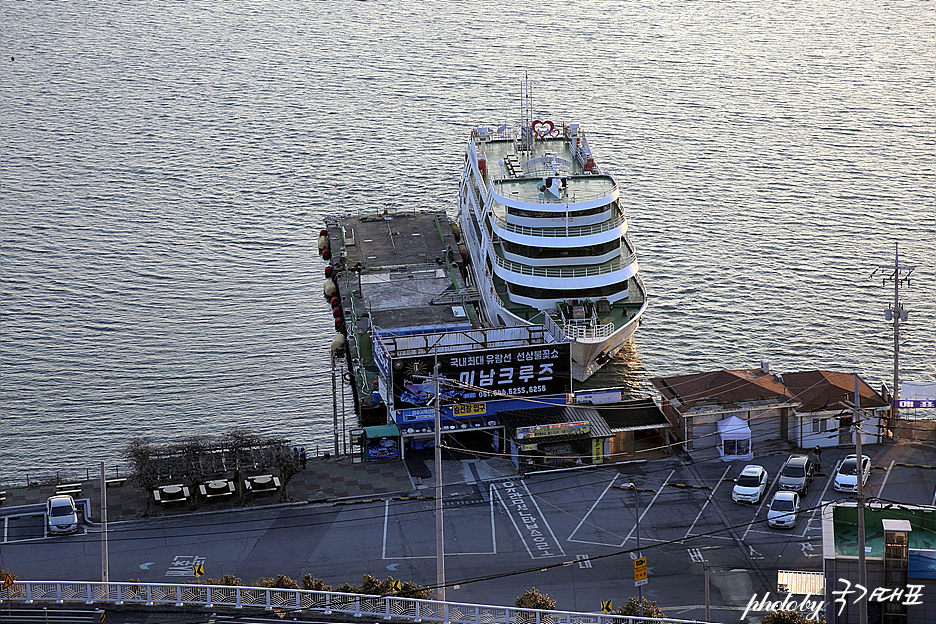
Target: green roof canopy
column 382, row 431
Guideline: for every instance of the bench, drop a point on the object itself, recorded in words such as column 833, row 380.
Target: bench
column 171, row 494
column 263, row 483
column 219, row 487
column 68, row 488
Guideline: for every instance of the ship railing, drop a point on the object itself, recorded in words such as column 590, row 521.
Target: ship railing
column 295, row 601
column 546, row 166
column 565, row 272
column 587, row 330
column 578, row 230
column 574, row 197
column 553, row 328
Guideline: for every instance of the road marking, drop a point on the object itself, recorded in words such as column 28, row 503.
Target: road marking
column 817, row 512
column 707, row 501
column 583, row 561
column 761, row 506
column 754, row 554
column 696, row 555
column 807, row 546
column 647, row 508
column 535, row 504
column 590, row 509
column 884, row 482
column 491, row 505
column 531, row 533
column 386, row 517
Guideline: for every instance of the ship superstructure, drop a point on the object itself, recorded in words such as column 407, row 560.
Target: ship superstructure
column 547, row 237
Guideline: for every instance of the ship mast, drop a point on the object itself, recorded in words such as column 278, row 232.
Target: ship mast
column 526, row 115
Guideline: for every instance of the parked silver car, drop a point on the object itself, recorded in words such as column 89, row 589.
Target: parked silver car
column 796, row 474
column 62, row 514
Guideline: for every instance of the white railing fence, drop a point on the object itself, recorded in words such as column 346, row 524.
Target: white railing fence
column 357, row 605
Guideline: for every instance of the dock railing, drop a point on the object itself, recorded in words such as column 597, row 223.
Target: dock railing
column 269, row 599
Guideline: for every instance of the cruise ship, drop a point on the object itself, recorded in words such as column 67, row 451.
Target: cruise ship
column 547, row 238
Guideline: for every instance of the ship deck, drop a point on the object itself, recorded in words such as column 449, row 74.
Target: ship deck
column 621, row 312
column 395, row 271
column 504, row 166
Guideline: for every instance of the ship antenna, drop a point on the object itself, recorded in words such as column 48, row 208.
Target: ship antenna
column 526, row 115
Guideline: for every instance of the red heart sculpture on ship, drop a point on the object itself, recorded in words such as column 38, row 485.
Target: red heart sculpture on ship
column 542, row 132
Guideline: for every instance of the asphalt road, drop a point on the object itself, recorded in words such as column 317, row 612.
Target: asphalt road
column 573, row 535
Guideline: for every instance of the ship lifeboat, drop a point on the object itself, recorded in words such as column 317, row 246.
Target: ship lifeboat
column 338, row 345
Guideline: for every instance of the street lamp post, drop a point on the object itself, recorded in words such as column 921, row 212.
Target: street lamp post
column 637, row 532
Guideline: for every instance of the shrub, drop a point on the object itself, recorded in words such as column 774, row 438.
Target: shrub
column 280, row 582
column 650, row 608
column 790, row 617
column 314, row 584
column 535, row 599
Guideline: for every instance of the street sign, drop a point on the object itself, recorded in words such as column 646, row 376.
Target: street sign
column 198, row 569
column 7, row 581
column 397, row 586
column 640, row 571
column 606, row 606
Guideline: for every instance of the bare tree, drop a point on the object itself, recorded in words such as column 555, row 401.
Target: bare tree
column 144, row 467
column 192, row 451
column 286, row 462
column 241, row 443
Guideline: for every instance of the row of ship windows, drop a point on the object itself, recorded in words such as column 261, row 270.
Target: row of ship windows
column 552, row 252
column 567, row 293
column 536, row 214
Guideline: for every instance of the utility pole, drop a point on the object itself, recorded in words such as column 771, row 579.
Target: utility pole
column 898, row 274
column 705, row 566
column 637, row 530
column 857, row 418
column 334, row 401
column 440, row 531
column 862, row 567
column 105, row 564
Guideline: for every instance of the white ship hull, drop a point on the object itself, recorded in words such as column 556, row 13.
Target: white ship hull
column 547, row 240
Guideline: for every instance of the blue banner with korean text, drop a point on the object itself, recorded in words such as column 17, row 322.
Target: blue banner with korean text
column 487, row 375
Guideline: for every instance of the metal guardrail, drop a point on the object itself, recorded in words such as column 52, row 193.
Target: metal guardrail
column 51, row 616
column 566, row 272
column 560, row 232
column 357, row 605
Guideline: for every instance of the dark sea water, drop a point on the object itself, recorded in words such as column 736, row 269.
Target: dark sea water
column 165, row 169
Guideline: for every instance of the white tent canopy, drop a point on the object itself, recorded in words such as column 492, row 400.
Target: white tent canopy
column 734, row 439
column 918, row 390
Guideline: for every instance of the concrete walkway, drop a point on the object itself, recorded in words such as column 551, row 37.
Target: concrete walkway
column 322, row 480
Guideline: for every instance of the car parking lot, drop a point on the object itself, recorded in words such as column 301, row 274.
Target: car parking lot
column 30, row 522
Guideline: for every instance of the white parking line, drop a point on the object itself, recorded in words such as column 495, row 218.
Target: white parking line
column 818, row 510
column 884, row 482
column 386, row 516
column 647, row 508
column 712, row 495
column 588, row 513
column 759, row 507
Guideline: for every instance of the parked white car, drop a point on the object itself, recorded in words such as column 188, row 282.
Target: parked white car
column 62, row 514
column 846, row 477
column 751, row 485
column 783, row 509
